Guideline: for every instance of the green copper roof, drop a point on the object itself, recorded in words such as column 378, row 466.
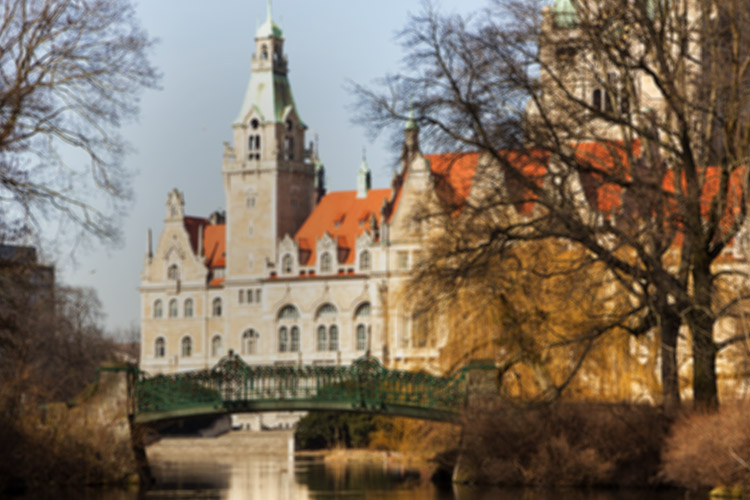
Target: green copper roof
column 411, row 124
column 564, row 14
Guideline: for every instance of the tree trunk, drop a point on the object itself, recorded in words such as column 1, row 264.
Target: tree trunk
column 701, row 322
column 670, row 328
column 705, row 391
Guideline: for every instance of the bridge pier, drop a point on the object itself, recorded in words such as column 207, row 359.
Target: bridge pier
column 481, row 397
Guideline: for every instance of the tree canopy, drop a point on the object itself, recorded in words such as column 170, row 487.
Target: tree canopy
column 71, row 72
column 621, row 132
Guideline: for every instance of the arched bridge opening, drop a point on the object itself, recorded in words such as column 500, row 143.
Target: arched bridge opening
column 232, row 386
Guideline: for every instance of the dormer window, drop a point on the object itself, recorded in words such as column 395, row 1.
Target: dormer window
column 364, row 261
column 287, row 264
column 254, row 123
column 173, row 272
column 326, row 263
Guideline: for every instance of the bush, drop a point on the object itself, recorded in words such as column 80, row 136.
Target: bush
column 327, row 429
column 567, row 444
column 710, row 449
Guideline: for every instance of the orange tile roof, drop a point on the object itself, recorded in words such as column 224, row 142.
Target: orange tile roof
column 343, row 216
column 214, row 245
column 454, row 174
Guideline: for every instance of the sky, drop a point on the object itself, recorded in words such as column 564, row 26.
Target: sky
column 203, row 53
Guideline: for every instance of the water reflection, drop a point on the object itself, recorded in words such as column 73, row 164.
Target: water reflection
column 258, row 477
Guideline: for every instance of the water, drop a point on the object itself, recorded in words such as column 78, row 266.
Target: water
column 283, row 478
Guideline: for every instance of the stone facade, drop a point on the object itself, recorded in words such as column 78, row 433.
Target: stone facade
column 288, row 274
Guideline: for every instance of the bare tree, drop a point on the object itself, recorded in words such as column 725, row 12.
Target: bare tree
column 70, row 75
column 623, row 125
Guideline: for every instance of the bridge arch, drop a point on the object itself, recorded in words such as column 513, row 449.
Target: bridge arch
column 233, row 386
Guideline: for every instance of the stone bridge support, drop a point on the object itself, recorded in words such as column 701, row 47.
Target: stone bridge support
column 481, row 397
column 98, row 422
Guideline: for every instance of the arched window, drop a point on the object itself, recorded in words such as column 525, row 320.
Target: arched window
column 250, row 341
column 217, row 307
column 325, row 263
column 364, row 261
column 157, row 309
column 289, row 312
column 160, row 348
column 283, row 339
column 322, row 338
column 328, row 332
column 288, row 318
column 264, row 52
column 287, row 264
column 173, row 272
column 188, row 308
column 173, row 308
column 361, row 337
column 327, row 310
column 362, row 328
column 187, row 347
column 250, row 201
column 294, row 345
column 216, row 346
column 254, row 123
column 333, row 338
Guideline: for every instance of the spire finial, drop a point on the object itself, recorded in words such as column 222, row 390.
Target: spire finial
column 269, row 9
column 411, row 123
column 363, row 176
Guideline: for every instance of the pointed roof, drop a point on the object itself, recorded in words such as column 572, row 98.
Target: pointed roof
column 268, row 92
column 269, row 29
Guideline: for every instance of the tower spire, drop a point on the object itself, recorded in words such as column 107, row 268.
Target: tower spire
column 363, row 176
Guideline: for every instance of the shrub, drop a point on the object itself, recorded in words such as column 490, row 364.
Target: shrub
column 709, row 449
column 570, row 444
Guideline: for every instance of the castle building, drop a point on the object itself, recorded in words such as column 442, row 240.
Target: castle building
column 289, row 274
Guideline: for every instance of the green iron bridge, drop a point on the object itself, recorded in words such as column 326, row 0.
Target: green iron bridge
column 232, row 386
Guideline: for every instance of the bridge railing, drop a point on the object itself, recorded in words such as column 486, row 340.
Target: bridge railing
column 365, row 385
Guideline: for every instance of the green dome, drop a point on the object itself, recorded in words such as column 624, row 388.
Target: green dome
column 564, row 14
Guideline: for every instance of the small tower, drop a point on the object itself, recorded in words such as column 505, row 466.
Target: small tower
column 269, row 174
column 363, row 177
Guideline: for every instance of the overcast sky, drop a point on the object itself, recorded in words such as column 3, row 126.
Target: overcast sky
column 204, row 54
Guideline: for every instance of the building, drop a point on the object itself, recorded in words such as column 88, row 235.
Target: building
column 288, row 274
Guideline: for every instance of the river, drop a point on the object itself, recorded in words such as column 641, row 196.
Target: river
column 249, row 470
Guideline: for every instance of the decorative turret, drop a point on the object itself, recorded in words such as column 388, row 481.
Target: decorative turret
column 411, row 138
column 363, row 177
column 175, row 205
